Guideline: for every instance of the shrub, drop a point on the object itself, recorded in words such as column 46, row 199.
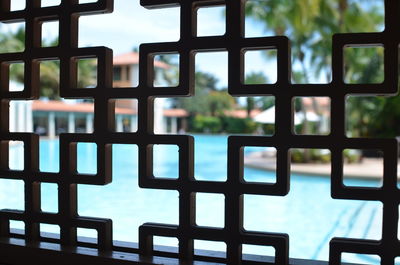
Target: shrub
column 206, row 124
column 296, row 156
column 350, row 156
column 315, row 156
column 238, row 125
column 268, row 129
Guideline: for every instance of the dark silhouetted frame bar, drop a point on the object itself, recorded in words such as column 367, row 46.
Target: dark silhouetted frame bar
column 20, row 249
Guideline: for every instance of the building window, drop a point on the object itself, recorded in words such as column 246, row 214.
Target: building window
column 128, row 73
column 117, row 73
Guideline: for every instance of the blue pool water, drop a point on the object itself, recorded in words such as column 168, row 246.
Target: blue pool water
column 308, row 214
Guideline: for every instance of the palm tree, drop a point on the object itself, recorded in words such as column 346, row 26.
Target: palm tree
column 12, row 42
column 310, row 25
column 292, row 18
column 253, row 78
column 208, row 100
column 49, row 70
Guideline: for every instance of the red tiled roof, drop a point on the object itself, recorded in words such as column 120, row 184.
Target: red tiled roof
column 241, row 113
column 323, row 105
column 321, row 101
column 133, row 58
column 180, row 113
column 60, row 106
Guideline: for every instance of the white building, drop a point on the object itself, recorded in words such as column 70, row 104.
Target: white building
column 51, row 117
column 126, row 74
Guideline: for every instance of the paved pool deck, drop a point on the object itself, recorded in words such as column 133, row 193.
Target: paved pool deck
column 369, row 168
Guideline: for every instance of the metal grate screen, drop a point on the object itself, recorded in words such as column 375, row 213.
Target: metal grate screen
column 22, row 248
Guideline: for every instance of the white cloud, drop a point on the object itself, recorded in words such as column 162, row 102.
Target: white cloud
column 131, row 24
column 211, row 21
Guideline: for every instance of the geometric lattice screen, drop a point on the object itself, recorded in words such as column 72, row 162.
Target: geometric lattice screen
column 32, row 248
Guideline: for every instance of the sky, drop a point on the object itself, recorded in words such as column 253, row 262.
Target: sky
column 131, row 24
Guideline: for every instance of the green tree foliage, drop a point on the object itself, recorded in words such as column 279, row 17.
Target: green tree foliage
column 170, row 75
column 365, row 114
column 388, row 123
column 12, row 42
column 238, row 125
column 219, row 101
column 49, row 79
column 264, row 102
column 206, row 124
column 208, row 100
column 49, row 70
column 253, row 78
column 310, row 25
column 205, row 81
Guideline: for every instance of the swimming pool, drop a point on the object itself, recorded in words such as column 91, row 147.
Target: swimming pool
column 308, row 214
